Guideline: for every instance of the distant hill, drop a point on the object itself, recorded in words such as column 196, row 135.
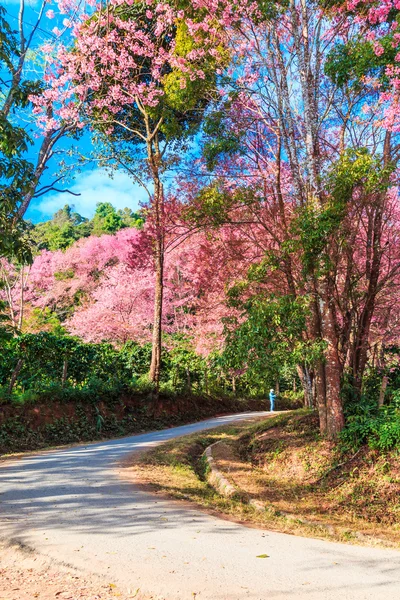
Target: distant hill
column 67, row 226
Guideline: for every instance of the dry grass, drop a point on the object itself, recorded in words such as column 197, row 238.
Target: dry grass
column 296, row 471
column 282, row 462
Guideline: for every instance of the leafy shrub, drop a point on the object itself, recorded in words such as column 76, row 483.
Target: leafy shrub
column 290, row 399
column 366, row 421
column 26, row 397
column 62, row 275
column 379, row 428
column 95, row 390
column 143, row 384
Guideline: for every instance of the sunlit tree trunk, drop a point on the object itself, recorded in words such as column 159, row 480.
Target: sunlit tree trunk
column 154, row 158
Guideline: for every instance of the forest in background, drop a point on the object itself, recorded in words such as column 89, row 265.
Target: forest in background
column 266, row 136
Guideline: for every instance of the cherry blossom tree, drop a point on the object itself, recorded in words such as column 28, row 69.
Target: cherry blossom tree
column 142, row 73
column 310, row 172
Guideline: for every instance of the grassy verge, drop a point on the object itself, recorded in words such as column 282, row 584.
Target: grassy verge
column 307, row 487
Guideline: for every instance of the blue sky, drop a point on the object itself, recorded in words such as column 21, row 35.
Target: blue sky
column 94, row 185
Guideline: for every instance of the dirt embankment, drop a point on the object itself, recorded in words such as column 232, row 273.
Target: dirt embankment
column 30, row 427
column 303, row 483
column 290, row 468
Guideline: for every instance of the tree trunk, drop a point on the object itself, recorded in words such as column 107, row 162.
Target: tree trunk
column 382, row 391
column 154, row 158
column 335, row 416
column 64, row 373
column 373, row 268
column 331, row 366
column 155, row 367
column 320, row 390
column 15, row 374
column 188, row 380
column 307, row 385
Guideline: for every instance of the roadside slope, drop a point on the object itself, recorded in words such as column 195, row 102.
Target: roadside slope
column 71, row 505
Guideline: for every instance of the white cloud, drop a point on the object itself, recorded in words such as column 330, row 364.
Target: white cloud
column 94, row 186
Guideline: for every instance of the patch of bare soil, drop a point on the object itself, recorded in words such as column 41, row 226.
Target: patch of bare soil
column 26, row 576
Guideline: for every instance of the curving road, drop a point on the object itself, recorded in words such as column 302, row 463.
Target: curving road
column 70, row 505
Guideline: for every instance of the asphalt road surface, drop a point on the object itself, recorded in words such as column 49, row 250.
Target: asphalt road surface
column 71, row 506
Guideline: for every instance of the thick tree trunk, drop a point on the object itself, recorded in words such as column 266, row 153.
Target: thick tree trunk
column 331, row 366
column 328, row 369
column 154, row 158
column 335, row 416
column 320, row 390
column 373, row 267
column 319, row 374
column 306, row 379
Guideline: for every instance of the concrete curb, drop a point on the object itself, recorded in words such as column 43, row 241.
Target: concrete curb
column 218, row 481
column 227, row 489
column 224, row 487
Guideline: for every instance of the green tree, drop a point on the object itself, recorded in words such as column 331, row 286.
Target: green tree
column 106, row 219
column 130, row 218
column 63, row 229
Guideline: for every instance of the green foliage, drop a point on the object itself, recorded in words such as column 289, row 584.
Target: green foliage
column 106, row 219
column 185, row 369
column 268, row 337
column 130, row 218
column 5, row 330
column 179, row 112
column 347, row 64
column 67, row 226
column 43, row 319
column 43, row 356
column 366, row 421
column 211, row 206
column 315, row 226
column 137, row 358
column 221, row 141
column 64, row 275
column 61, row 231
column 180, row 99
column 60, row 368
column 379, row 428
column 94, row 370
column 16, row 172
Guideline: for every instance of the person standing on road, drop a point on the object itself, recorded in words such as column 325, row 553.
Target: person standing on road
column 272, row 398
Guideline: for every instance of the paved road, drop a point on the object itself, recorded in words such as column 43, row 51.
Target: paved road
column 69, row 504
